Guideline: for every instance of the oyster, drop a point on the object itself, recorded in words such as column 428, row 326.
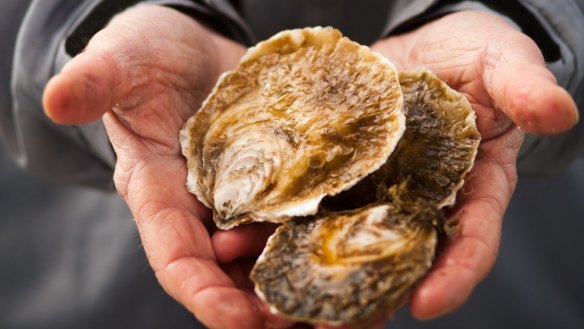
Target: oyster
column 347, row 267
column 435, row 153
column 307, row 113
column 440, row 143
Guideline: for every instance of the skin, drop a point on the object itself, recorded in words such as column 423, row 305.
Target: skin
column 147, row 71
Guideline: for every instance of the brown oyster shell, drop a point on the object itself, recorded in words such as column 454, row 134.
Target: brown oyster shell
column 307, row 113
column 347, row 267
column 435, row 153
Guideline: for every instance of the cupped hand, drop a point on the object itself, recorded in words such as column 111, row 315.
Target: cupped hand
column 503, row 75
column 146, row 73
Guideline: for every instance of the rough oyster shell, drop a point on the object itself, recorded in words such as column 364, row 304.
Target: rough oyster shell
column 440, row 143
column 307, row 113
column 347, row 267
column 434, row 155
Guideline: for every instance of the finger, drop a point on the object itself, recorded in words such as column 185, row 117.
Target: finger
column 207, row 292
column 238, row 271
column 180, row 252
column 143, row 54
column 519, row 84
column 242, row 241
column 471, row 253
column 460, row 268
column 83, row 91
column 93, row 81
column 171, row 225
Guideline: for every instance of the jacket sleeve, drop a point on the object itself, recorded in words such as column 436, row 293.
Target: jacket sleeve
column 51, row 33
column 556, row 27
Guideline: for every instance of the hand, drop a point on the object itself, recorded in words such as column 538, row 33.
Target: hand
column 503, row 75
column 148, row 71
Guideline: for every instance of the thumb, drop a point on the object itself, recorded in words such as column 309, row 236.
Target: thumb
column 524, row 89
column 111, row 67
column 84, row 90
column 123, row 61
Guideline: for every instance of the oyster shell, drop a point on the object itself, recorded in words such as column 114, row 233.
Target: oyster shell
column 435, row 153
column 440, row 143
column 307, row 113
column 347, row 267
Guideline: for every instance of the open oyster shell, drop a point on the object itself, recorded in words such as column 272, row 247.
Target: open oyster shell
column 307, row 113
column 347, row 267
